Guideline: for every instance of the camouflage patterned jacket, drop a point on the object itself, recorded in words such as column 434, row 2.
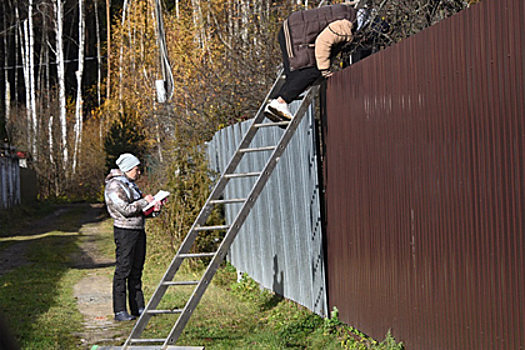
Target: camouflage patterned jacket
column 124, row 201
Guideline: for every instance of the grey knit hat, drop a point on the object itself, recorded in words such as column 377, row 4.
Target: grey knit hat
column 127, row 161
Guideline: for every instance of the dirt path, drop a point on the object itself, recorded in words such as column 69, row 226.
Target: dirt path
column 93, row 292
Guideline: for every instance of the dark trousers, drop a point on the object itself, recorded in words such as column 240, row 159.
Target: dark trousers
column 297, row 81
column 130, row 255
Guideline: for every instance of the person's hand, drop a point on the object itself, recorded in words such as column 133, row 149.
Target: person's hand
column 326, row 73
column 157, row 206
column 149, row 198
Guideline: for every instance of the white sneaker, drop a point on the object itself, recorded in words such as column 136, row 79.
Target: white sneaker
column 270, row 115
column 280, row 109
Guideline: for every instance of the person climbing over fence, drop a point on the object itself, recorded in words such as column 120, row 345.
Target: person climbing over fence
column 309, row 42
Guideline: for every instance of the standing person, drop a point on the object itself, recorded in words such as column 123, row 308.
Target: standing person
column 309, row 42
column 124, row 203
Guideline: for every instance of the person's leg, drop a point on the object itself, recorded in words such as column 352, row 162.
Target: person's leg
column 136, row 296
column 286, row 64
column 124, row 242
column 297, row 82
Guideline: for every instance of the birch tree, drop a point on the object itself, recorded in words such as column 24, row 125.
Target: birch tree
column 121, row 57
column 198, row 23
column 99, row 56
column 7, row 85
column 79, row 75
column 59, row 53
column 108, row 39
column 17, row 55
column 25, row 50
column 32, row 89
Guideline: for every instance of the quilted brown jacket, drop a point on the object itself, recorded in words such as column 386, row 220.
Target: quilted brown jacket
column 311, row 35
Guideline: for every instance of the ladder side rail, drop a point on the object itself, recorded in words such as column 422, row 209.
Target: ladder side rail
column 223, row 181
column 161, row 289
column 173, row 268
column 241, row 217
column 248, row 137
column 235, row 159
column 200, row 220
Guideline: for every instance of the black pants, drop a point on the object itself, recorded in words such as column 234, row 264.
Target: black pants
column 130, row 255
column 297, row 81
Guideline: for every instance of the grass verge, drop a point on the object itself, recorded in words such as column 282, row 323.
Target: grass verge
column 37, row 300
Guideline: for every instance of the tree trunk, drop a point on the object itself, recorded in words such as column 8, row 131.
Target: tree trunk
column 51, row 142
column 6, row 74
column 198, row 22
column 32, row 87
column 99, row 58
column 121, row 62
column 46, row 86
column 79, row 75
column 108, row 36
column 17, row 51
column 24, row 50
column 59, row 30
column 245, row 14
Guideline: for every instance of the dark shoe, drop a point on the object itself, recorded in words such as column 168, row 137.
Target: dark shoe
column 123, row 316
column 270, row 115
column 141, row 310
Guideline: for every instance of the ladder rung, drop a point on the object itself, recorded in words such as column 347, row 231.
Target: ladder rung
column 180, row 283
column 257, row 149
column 212, row 228
column 228, row 201
column 165, row 312
column 267, row 125
column 152, row 347
column 197, row 255
column 147, row 341
column 232, row 176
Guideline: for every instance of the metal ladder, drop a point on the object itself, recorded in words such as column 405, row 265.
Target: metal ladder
column 134, row 341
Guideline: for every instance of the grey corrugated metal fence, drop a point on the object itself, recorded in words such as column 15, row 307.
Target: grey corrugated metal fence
column 425, row 186
column 9, row 177
column 280, row 244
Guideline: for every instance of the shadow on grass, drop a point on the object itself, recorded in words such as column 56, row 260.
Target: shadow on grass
column 271, row 302
column 34, row 297
column 22, row 222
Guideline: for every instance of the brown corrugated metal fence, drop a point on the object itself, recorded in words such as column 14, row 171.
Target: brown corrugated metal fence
column 425, row 185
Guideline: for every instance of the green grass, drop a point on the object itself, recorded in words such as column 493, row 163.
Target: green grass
column 37, row 299
column 240, row 315
column 18, row 218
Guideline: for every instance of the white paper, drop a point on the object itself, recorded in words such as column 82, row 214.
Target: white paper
column 161, row 195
